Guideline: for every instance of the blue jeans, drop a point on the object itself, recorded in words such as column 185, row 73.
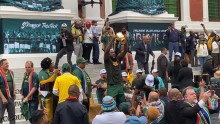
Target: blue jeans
column 202, row 60
column 33, row 106
column 173, row 46
column 95, row 53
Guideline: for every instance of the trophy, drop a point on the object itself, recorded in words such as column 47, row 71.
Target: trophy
column 121, row 38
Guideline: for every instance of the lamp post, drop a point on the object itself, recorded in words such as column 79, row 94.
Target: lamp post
column 92, row 2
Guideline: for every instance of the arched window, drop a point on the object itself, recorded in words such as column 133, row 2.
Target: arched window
column 214, row 10
column 173, row 7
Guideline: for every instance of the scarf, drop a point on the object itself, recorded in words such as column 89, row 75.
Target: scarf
column 202, row 116
column 30, row 79
column 5, row 82
column 71, row 98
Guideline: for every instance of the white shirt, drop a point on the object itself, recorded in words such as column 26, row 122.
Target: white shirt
column 215, row 47
column 110, row 118
column 88, row 36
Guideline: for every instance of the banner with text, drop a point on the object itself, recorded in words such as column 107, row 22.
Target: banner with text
column 30, row 36
column 157, row 32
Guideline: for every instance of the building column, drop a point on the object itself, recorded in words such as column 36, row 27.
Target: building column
column 185, row 10
column 205, row 11
column 108, row 7
column 92, row 13
column 73, row 7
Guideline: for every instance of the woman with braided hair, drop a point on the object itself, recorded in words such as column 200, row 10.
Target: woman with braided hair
column 47, row 78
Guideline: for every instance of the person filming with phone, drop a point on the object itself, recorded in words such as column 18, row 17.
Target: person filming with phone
column 198, row 110
column 66, row 45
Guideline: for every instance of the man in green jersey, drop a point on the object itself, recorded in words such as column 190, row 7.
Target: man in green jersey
column 113, row 68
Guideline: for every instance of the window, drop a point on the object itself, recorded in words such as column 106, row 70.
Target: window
column 214, row 10
column 114, row 4
column 173, row 7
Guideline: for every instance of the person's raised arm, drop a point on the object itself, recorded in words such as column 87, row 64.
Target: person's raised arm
column 204, row 29
column 108, row 47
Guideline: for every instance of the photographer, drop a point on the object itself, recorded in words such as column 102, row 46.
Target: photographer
column 66, row 45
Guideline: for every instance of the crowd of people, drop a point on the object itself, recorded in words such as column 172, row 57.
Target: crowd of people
column 65, row 96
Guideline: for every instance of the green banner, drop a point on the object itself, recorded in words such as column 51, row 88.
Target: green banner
column 155, row 30
column 34, row 5
column 30, row 36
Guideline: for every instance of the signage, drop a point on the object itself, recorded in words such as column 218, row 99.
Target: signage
column 30, row 36
column 156, row 31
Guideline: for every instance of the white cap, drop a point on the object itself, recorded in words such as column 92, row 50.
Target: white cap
column 102, row 71
column 64, row 25
column 139, row 71
column 178, row 54
column 214, row 31
column 149, row 81
column 124, row 74
column 154, row 70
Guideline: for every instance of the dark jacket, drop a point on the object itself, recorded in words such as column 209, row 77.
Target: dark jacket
column 162, row 64
column 140, row 49
column 173, row 36
column 71, row 112
column 189, row 113
column 185, row 77
column 69, row 41
column 172, row 113
column 208, row 69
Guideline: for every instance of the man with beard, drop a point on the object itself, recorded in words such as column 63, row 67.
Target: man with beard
column 66, row 45
column 101, row 86
column 113, row 68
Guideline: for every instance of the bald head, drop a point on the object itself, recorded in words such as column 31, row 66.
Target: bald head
column 73, row 91
column 173, row 94
column 146, row 39
column 153, row 96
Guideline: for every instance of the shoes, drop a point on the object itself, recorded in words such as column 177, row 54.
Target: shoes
column 89, row 62
column 97, row 62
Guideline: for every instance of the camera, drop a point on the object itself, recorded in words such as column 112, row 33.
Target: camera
column 202, row 24
column 62, row 35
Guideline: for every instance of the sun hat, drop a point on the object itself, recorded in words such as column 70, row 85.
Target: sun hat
column 108, row 103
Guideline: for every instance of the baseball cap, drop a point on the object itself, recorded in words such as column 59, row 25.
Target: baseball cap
column 154, row 70
column 139, row 71
column 102, row 71
column 66, row 67
column 178, row 54
column 124, row 74
column 124, row 107
column 214, row 31
column 64, row 25
column 149, row 81
column 88, row 23
column 80, row 60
